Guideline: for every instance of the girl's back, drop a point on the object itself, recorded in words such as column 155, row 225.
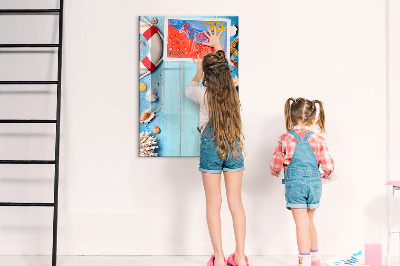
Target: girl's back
column 287, row 146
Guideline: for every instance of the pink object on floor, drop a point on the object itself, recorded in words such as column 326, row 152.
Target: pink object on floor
column 393, row 183
column 316, row 263
column 373, row 254
column 211, row 260
column 231, row 260
column 333, row 178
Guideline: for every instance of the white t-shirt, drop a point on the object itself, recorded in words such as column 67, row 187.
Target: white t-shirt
column 196, row 93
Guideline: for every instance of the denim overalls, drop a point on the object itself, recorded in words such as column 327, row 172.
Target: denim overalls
column 302, row 181
column 211, row 162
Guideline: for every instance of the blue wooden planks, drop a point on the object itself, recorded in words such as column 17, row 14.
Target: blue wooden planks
column 171, row 100
column 189, row 113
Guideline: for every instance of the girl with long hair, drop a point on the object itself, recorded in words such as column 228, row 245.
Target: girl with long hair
column 220, row 148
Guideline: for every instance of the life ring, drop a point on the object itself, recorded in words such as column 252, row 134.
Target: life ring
column 153, row 58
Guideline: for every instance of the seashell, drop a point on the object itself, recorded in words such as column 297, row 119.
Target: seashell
column 142, row 86
column 236, row 81
column 146, row 116
column 154, row 20
column 151, row 95
column 156, row 129
column 233, row 30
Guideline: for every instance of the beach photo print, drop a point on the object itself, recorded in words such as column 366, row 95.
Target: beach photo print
column 167, row 47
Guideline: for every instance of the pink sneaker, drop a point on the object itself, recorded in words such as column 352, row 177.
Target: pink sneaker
column 316, row 263
column 231, row 260
column 211, row 261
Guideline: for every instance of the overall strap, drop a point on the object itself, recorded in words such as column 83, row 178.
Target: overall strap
column 309, row 133
column 294, row 134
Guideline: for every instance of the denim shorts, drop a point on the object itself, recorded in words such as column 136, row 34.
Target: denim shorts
column 303, row 193
column 210, row 160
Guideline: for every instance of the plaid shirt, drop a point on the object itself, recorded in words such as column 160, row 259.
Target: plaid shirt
column 287, row 144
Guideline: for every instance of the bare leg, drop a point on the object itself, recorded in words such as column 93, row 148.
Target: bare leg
column 313, row 230
column 233, row 183
column 212, row 188
column 302, row 221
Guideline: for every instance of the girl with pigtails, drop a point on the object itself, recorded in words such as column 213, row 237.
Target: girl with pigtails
column 302, row 154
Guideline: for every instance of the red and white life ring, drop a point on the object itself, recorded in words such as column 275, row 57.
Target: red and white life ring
column 153, row 58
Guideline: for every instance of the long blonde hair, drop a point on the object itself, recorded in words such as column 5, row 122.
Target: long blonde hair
column 223, row 104
column 303, row 110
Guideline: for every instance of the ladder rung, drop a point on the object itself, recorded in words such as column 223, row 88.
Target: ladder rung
column 33, row 45
column 7, row 11
column 29, row 204
column 27, row 161
column 27, row 121
column 30, row 82
column 395, row 231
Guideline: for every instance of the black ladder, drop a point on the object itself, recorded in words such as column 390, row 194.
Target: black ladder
column 57, row 82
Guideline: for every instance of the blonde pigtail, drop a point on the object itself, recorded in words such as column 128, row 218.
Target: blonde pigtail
column 321, row 116
column 288, row 114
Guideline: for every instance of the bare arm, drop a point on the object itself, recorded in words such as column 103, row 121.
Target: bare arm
column 199, row 73
column 213, row 41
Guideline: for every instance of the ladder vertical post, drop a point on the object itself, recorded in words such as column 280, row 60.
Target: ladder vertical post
column 57, row 141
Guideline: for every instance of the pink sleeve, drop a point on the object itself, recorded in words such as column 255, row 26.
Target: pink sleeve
column 326, row 162
column 277, row 158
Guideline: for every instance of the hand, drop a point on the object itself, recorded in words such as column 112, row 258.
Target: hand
column 199, row 73
column 213, row 39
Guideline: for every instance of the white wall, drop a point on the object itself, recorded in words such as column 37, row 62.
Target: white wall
column 112, row 202
column 393, row 109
